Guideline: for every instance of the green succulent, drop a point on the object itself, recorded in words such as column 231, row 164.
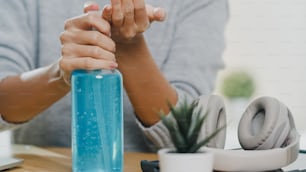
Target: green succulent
column 186, row 126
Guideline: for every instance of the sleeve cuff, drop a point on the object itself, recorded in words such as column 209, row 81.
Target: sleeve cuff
column 158, row 133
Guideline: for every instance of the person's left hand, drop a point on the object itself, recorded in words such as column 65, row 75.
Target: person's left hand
column 130, row 18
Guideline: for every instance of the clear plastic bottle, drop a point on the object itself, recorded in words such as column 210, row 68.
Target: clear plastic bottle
column 97, row 121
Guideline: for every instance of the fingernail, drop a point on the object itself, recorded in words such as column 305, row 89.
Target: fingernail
column 113, row 65
column 108, row 8
column 160, row 13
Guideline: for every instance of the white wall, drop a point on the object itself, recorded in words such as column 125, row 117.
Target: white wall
column 268, row 38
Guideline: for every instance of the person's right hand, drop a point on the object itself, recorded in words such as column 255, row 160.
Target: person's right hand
column 86, row 44
column 130, row 18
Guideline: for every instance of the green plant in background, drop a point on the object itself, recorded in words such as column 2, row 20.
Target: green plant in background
column 238, row 84
column 186, row 126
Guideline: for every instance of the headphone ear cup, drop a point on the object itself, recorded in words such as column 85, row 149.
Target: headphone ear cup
column 214, row 106
column 264, row 124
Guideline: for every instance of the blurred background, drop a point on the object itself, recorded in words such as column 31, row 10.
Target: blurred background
column 266, row 42
column 266, row 55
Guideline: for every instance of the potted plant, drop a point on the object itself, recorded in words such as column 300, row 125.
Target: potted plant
column 238, row 84
column 184, row 129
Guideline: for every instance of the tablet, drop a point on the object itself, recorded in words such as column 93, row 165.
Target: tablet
column 8, row 162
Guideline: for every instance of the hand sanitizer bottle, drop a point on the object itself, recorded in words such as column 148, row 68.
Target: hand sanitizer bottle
column 97, row 121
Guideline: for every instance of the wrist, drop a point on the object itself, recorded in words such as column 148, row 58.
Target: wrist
column 138, row 38
column 58, row 77
column 136, row 45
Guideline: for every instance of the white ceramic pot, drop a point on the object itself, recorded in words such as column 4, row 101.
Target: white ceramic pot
column 184, row 162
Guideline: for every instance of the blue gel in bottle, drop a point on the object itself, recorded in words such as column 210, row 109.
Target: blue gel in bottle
column 97, row 121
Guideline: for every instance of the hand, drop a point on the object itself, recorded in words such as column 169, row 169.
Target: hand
column 85, row 48
column 130, row 18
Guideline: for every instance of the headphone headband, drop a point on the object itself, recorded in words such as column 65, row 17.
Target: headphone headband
column 259, row 160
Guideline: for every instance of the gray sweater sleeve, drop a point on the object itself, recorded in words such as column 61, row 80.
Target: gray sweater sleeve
column 17, row 42
column 195, row 56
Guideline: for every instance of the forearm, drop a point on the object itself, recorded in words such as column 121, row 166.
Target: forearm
column 25, row 96
column 146, row 86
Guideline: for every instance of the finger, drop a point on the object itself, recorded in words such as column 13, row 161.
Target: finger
column 155, row 14
column 129, row 26
column 107, row 13
column 90, row 6
column 117, row 13
column 159, row 14
column 70, row 64
column 77, row 50
column 88, row 21
column 141, row 18
column 128, row 9
column 88, row 38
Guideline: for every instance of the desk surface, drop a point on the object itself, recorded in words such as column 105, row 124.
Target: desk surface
column 59, row 159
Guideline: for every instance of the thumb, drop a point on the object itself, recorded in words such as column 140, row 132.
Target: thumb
column 90, row 6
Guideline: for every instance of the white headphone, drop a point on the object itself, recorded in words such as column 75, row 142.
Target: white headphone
column 266, row 132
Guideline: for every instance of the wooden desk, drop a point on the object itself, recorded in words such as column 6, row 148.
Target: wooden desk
column 59, row 159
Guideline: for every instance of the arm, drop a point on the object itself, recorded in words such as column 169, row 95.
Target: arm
column 30, row 93
column 146, row 86
column 26, row 92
